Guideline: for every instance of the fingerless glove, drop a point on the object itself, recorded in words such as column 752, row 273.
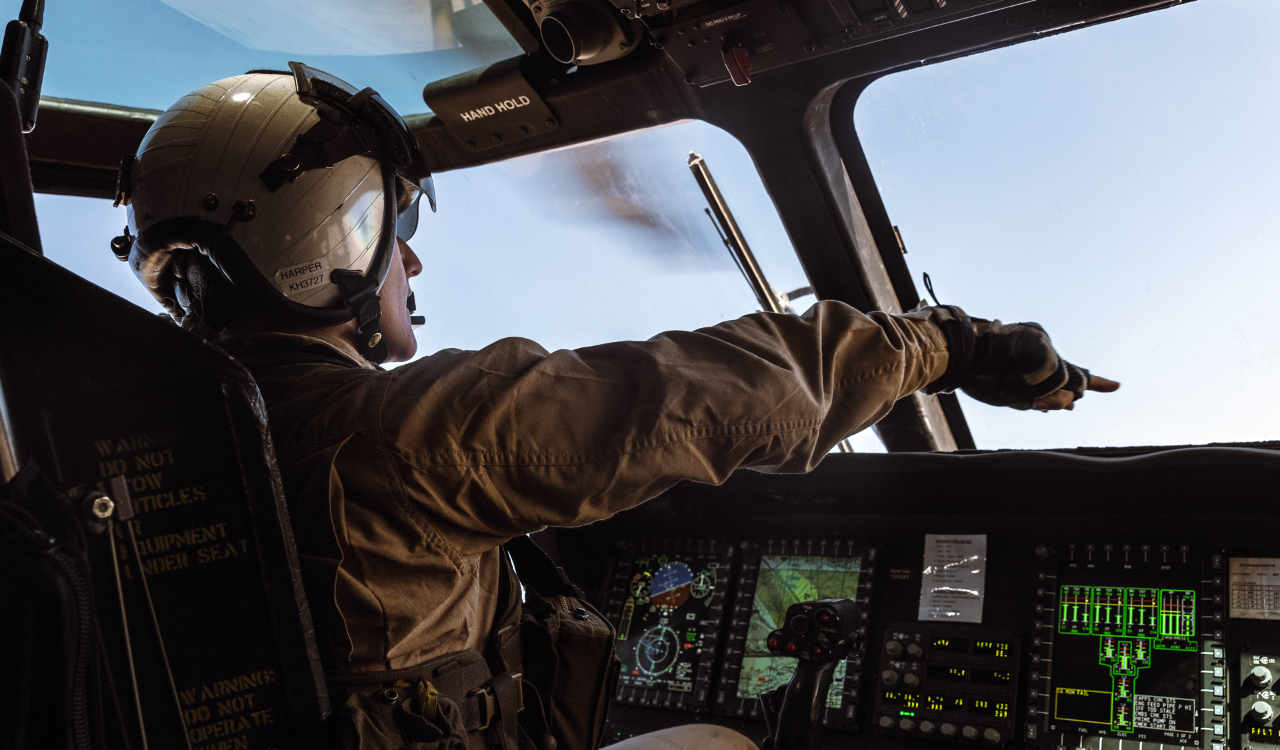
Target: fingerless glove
column 1002, row 365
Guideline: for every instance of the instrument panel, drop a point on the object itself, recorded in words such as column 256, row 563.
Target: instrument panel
column 1014, row 625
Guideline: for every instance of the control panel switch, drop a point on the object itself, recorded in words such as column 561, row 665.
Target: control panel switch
column 1261, row 677
column 969, row 732
column 1261, row 711
column 948, row 729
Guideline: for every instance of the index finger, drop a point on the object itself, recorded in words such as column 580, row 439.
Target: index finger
column 1102, row 384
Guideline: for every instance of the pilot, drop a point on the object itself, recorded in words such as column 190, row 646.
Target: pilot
column 270, row 213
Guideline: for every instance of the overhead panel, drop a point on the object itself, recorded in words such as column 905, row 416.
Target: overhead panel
column 697, row 34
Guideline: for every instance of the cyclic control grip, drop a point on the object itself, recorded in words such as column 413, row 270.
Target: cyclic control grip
column 820, row 634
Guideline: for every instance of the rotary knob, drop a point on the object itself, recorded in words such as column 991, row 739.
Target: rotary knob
column 893, row 648
column 889, row 677
column 1262, row 711
column 928, row 727
column 948, row 729
column 1260, row 676
column 915, row 650
column 911, row 680
column 992, row 735
column 969, row 732
column 907, row 725
column 886, row 722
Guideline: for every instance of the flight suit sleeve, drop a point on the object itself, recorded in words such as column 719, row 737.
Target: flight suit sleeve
column 511, row 439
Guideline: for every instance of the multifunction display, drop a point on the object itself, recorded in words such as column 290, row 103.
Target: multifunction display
column 1129, row 657
column 1124, row 662
column 773, row 579
column 668, row 603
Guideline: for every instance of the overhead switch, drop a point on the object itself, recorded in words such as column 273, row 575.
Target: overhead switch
column 738, row 62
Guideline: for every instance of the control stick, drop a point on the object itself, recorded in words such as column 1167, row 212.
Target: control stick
column 820, row 634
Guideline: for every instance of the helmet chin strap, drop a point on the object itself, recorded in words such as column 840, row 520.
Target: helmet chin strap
column 361, row 294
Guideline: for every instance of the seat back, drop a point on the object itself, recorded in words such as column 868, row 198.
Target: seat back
column 96, row 388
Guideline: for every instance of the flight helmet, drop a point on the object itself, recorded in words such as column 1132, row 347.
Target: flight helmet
column 293, row 184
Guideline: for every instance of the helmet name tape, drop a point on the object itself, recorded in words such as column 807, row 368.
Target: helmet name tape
column 304, row 277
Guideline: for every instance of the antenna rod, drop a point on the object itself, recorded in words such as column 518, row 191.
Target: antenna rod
column 769, row 300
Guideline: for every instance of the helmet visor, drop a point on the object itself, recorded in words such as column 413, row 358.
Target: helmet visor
column 398, row 146
column 409, row 197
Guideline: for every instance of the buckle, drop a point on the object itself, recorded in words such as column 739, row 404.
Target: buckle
column 488, row 706
column 519, row 678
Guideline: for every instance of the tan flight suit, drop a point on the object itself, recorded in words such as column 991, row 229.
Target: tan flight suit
column 402, row 484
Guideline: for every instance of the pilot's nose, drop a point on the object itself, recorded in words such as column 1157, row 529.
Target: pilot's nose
column 412, row 266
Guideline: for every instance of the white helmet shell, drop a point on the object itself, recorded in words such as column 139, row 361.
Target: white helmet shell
column 203, row 157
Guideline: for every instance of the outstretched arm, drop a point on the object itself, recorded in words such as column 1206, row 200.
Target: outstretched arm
column 513, row 438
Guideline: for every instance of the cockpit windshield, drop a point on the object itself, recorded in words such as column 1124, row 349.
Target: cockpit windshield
column 1118, row 185
column 147, row 53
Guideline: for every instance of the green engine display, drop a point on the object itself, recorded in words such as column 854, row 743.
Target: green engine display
column 1126, row 658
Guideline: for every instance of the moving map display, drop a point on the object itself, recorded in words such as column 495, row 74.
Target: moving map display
column 1126, row 657
column 668, row 603
column 781, row 580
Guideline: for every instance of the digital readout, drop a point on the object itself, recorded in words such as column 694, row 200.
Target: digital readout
column 1263, row 733
column 991, row 676
column 950, row 674
column 916, row 702
column 953, row 645
column 996, row 708
column 943, row 703
column 998, row 649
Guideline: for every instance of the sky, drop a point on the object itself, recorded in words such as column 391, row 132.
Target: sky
column 1116, row 184
column 1119, row 185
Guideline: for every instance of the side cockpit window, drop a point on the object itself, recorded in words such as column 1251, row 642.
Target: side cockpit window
column 1116, row 184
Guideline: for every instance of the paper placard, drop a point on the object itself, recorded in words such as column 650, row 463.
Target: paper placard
column 953, row 579
column 1255, row 588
